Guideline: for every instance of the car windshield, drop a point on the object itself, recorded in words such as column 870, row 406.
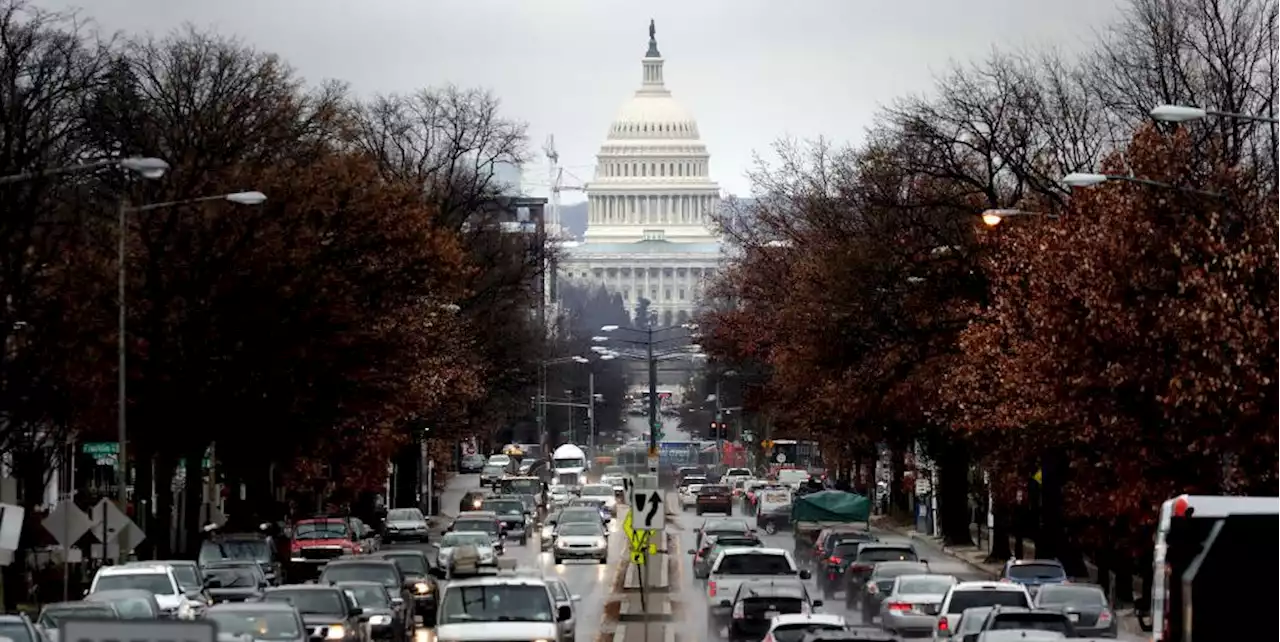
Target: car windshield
column 796, row 632
column 714, row 490
column 521, row 486
column 1069, row 594
column 157, row 583
column 235, row 549
column 961, row 600
column 320, row 530
column 736, row 542
column 570, row 516
column 598, row 490
column 480, row 525
column 693, row 481
column 845, row 549
column 1055, row 622
column 368, row 595
column 266, row 624
column 133, row 608
column 582, row 529
column 15, row 632
column 972, row 619
column 458, row 539
column 314, row 602
column 570, row 462
column 234, row 576
column 491, row 469
column 411, row 564
column 1036, row 572
column 924, row 585
column 404, row 515
column 755, row 564
column 496, row 603
column 886, row 555
column 361, row 573
column 187, row 577
column 504, row 506
column 53, row 616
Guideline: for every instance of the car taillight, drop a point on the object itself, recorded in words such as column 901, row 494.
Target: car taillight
column 943, row 626
column 711, row 588
column 1104, row 618
column 903, row 606
column 738, row 611
column 872, row 588
column 859, row 567
column 834, row 559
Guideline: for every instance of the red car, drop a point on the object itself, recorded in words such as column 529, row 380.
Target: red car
column 714, row 498
column 318, row 540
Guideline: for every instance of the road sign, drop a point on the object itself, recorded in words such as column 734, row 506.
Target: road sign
column 99, row 448
column 653, row 464
column 138, row 631
column 781, row 458
column 647, row 507
column 10, row 526
column 109, row 523
column 67, row 523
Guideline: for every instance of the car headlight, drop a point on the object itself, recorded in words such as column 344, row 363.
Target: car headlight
column 379, row 620
column 336, row 632
column 476, row 504
column 547, row 532
column 422, row 588
column 560, row 544
column 601, row 543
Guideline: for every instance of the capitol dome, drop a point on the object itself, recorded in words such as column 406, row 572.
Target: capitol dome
column 652, row 114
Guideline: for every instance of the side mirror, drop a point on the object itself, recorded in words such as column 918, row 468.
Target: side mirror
column 817, row 603
column 575, row 598
column 356, row 612
column 693, row 552
column 924, row 561
column 397, row 600
column 804, row 575
column 86, row 593
column 726, row 603
column 563, row 614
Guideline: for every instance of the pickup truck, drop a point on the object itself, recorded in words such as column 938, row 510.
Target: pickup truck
column 737, row 565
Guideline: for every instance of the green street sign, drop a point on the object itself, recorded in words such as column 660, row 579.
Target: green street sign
column 100, row 448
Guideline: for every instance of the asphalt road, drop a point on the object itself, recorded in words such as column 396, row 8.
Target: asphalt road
column 590, row 581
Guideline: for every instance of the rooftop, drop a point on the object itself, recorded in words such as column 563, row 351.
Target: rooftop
column 644, row 247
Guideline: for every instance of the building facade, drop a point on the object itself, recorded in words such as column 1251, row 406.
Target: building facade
column 650, row 233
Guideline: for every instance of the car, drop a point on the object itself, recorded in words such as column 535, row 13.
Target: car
column 317, row 541
column 234, row 581
column 327, row 612
column 499, row 459
column 687, row 490
column 189, row 576
column 968, row 625
column 381, row 612
column 474, row 499
column 1016, row 618
column 244, row 546
column 560, row 593
column 1086, row 606
column 380, row 570
column 831, row 536
column 501, row 607
column 863, row 561
column 272, row 620
column 484, row 521
column 965, row 595
column 486, row 552
column 491, row 475
column 716, row 526
column 712, row 545
column 1034, row 573
column 879, row 584
column 581, row 540
column 471, row 464
column 130, row 604
column 605, row 494
column 405, row 525
column 595, row 503
column 423, row 574
column 793, row 627
column 18, row 628
column 910, row 604
column 615, row 476
column 757, row 602
column 157, row 578
column 713, row 498
column 512, row 513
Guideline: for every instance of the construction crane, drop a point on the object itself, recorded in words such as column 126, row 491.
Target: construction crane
column 555, row 176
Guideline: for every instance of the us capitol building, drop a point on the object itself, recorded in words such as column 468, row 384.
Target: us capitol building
column 649, row 206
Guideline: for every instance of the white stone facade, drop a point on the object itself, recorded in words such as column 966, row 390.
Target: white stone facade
column 649, row 228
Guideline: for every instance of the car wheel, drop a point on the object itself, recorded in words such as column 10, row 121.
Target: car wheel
column 770, row 528
column 559, row 560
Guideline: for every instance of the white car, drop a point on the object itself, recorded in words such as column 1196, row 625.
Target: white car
column 156, row 578
column 501, row 607
column 581, row 540
column 602, row 492
column 732, row 476
column 617, row 480
column 792, row 627
column 499, row 460
column 688, row 492
column 967, row 595
column 481, row 540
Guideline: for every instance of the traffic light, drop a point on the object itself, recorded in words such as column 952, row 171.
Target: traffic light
column 719, row 430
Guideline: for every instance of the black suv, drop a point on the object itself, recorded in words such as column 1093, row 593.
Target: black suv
column 326, row 611
column 759, row 601
column 419, row 572
column 370, row 569
column 511, row 511
column 869, row 554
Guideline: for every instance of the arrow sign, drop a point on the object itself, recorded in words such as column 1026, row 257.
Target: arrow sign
column 648, row 510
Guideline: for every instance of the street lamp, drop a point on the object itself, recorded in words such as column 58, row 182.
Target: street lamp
column 649, row 342
column 1183, row 114
column 993, row 218
column 148, row 168
column 1084, row 179
column 144, row 166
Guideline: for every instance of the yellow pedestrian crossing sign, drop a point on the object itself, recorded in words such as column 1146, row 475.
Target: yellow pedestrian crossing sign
column 639, row 541
column 1039, row 479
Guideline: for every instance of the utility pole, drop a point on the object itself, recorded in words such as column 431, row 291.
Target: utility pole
column 654, row 421
column 719, row 422
column 591, row 412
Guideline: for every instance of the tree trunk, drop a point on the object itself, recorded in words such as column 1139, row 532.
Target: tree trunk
column 953, row 495
column 1000, row 535
column 143, row 490
column 161, row 530
column 898, row 501
column 1050, row 537
column 405, row 491
column 195, row 503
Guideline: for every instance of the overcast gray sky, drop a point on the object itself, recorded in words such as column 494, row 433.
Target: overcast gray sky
column 751, row 71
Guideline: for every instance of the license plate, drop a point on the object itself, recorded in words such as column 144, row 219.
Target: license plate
column 771, row 614
column 1075, row 617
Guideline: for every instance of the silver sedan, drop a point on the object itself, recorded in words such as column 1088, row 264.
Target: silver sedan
column 911, row 606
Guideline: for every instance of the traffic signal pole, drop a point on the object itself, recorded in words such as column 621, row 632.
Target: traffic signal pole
column 719, row 424
column 654, row 421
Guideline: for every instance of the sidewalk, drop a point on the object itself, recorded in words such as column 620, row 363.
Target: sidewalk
column 976, row 559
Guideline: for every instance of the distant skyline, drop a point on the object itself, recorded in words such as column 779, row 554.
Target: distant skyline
column 751, row 71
